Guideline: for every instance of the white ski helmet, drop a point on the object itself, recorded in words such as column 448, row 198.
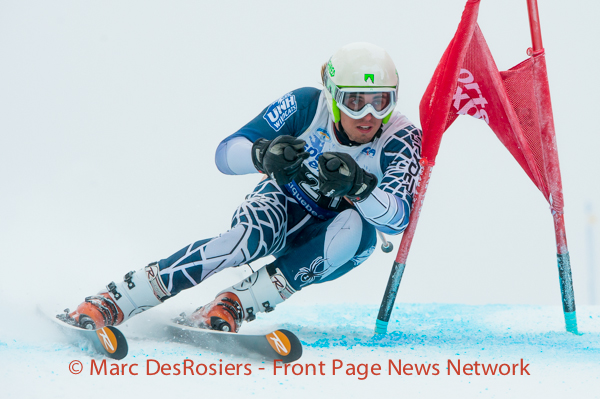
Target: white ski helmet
column 361, row 78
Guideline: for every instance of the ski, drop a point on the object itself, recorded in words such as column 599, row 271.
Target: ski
column 107, row 341
column 276, row 345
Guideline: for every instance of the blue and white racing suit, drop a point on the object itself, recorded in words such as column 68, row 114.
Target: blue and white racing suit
column 313, row 238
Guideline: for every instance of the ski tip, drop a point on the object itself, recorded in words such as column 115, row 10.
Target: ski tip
column 107, row 341
column 113, row 342
column 286, row 344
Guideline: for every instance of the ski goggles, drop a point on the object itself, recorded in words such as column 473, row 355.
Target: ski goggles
column 357, row 102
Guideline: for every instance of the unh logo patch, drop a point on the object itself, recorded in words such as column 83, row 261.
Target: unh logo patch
column 280, row 110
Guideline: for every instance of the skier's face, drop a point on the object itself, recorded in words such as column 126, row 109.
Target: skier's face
column 360, row 130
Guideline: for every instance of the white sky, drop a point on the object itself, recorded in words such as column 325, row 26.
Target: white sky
column 110, row 113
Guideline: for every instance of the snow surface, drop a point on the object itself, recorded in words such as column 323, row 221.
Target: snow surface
column 35, row 362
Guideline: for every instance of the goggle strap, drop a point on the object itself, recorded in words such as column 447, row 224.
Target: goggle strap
column 387, row 118
column 336, row 111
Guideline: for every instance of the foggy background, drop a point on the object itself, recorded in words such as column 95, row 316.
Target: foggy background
column 110, row 114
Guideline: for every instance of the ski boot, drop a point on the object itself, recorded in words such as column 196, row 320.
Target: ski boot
column 260, row 292
column 95, row 312
column 136, row 293
column 224, row 313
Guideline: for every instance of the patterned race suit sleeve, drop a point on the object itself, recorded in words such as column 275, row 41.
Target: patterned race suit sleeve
column 289, row 115
column 388, row 207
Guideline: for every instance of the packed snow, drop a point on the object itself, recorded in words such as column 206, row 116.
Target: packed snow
column 342, row 357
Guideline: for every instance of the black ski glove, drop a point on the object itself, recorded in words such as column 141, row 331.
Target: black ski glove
column 340, row 175
column 280, row 158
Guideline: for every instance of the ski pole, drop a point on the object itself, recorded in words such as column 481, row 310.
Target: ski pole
column 386, row 246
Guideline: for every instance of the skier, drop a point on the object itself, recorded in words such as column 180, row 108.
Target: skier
column 339, row 163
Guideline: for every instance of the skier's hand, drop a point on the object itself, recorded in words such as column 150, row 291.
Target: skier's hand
column 340, row 175
column 280, row 158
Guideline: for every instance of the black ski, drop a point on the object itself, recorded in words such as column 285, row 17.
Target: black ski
column 107, row 341
column 278, row 344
